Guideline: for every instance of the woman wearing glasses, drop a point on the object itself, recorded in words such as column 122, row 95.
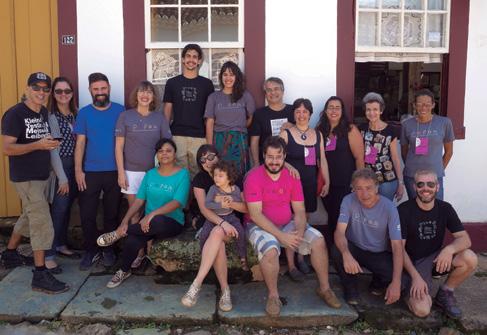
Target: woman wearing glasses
column 62, row 112
column 426, row 141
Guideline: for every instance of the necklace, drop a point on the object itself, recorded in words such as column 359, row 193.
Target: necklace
column 303, row 133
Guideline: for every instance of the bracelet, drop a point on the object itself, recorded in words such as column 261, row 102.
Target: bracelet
column 401, row 182
column 221, row 222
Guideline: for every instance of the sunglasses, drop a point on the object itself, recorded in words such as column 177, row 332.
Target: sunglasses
column 421, row 184
column 44, row 89
column 66, row 91
column 209, row 158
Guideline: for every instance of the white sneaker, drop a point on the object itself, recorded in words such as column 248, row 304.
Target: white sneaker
column 191, row 297
column 118, row 278
column 225, row 303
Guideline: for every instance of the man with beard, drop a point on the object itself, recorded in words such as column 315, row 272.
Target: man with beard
column 27, row 142
column 424, row 221
column 184, row 103
column 368, row 228
column 96, row 169
column 271, row 192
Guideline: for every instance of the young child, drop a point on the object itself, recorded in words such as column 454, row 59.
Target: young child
column 224, row 198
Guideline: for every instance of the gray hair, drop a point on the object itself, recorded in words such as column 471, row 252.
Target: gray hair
column 425, row 172
column 273, row 80
column 365, row 173
column 373, row 97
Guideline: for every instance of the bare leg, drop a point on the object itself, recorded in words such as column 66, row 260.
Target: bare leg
column 209, row 254
column 14, row 241
column 319, row 260
column 269, row 265
column 39, row 257
column 290, row 259
column 464, row 264
column 220, row 267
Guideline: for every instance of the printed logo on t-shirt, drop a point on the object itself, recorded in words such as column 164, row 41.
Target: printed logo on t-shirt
column 163, row 187
column 189, row 94
column 427, row 230
column 359, row 219
column 35, row 128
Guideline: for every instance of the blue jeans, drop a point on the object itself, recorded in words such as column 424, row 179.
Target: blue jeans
column 409, row 183
column 388, row 189
column 61, row 208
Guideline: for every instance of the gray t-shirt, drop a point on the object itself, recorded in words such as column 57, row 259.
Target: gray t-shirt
column 439, row 131
column 141, row 135
column 370, row 228
column 216, row 207
column 229, row 115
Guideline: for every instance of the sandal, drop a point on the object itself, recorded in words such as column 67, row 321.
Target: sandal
column 71, row 255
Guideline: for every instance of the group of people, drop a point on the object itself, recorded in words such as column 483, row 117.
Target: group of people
column 239, row 174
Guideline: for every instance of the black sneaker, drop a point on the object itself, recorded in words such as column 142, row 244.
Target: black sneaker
column 12, row 259
column 44, row 281
column 447, row 302
column 89, row 258
column 352, row 296
column 376, row 288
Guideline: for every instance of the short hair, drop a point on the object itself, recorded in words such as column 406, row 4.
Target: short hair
column 203, row 150
column 275, row 142
column 425, row 172
column 276, row 80
column 424, row 92
column 97, row 76
column 365, row 173
column 192, row 46
column 144, row 85
column 163, row 141
column 306, row 103
column 229, row 168
column 373, row 97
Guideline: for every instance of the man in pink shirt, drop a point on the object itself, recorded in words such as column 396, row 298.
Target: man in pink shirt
column 270, row 192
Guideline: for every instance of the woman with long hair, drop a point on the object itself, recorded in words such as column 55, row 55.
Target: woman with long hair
column 228, row 114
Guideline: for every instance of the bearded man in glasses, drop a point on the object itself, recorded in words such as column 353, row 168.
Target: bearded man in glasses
column 424, row 221
column 27, row 142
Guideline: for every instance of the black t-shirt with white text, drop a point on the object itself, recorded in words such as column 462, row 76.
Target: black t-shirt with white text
column 27, row 126
column 424, row 231
column 188, row 98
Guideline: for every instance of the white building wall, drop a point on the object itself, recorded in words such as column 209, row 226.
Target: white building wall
column 100, row 45
column 466, row 176
column 301, row 48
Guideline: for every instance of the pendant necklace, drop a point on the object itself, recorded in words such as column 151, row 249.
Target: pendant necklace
column 303, row 133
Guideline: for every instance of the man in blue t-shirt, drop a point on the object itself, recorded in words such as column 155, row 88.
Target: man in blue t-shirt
column 95, row 167
column 368, row 227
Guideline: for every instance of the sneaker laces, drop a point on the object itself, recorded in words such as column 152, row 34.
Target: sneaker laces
column 119, row 275
column 109, row 238
column 193, row 291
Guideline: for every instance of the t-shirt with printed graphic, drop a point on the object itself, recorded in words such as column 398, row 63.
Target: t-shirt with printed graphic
column 370, row 229
column 188, row 98
column 276, row 195
column 158, row 190
column 438, row 132
column 27, row 126
column 381, row 142
column 141, row 134
column 229, row 115
column 424, row 231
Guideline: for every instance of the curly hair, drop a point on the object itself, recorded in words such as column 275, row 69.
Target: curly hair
column 239, row 85
column 229, row 168
column 144, row 85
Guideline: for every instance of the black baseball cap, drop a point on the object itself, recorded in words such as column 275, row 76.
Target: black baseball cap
column 37, row 77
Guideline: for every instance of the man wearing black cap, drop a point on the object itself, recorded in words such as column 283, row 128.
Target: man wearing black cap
column 27, row 142
column 96, row 169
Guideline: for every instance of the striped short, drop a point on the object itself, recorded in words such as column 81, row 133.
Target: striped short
column 263, row 241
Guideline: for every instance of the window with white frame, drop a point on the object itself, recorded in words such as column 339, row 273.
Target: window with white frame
column 402, row 26
column 216, row 25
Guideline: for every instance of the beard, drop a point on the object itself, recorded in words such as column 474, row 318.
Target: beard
column 426, row 199
column 280, row 167
column 103, row 102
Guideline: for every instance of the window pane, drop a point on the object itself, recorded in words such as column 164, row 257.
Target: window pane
column 396, row 4
column 413, row 4
column 220, row 56
column 390, row 29
column 205, row 65
column 224, row 24
column 165, row 64
column 164, row 24
column 434, row 36
column 194, row 2
column 367, row 4
column 413, row 30
column 164, row 2
column 367, row 29
column 436, row 5
column 224, row 2
column 194, row 24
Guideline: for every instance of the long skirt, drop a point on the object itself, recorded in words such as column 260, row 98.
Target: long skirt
column 233, row 146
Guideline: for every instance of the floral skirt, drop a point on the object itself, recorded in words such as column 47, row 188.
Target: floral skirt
column 233, row 146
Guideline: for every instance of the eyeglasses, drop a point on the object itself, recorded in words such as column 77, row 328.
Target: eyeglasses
column 430, row 184
column 66, row 91
column 44, row 89
column 209, row 158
